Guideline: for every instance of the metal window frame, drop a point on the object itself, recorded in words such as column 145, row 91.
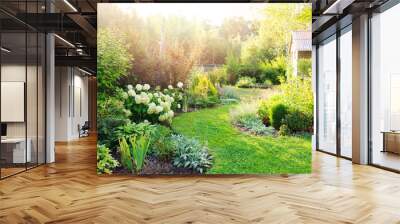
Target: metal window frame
column 339, row 32
column 386, row 6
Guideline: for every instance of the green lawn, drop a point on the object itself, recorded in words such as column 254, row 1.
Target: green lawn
column 236, row 152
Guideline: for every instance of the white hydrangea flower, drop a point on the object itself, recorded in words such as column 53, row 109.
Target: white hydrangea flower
column 170, row 114
column 138, row 99
column 130, row 86
column 146, row 121
column 155, row 95
column 150, row 95
column 180, row 97
column 158, row 109
column 139, row 87
column 144, row 98
column 166, row 105
column 125, row 95
column 170, row 87
column 152, row 108
column 131, row 92
column 146, row 87
column 179, row 106
column 179, row 85
column 162, row 117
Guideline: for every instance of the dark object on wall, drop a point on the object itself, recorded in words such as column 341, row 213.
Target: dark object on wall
column 3, row 129
column 84, row 130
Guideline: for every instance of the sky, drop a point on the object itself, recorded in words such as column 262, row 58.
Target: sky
column 214, row 13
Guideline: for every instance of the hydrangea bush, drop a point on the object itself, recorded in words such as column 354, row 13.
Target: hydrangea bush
column 153, row 105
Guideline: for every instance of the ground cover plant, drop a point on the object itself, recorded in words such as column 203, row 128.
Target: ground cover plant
column 212, row 95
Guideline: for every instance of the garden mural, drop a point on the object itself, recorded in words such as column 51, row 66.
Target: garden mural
column 202, row 89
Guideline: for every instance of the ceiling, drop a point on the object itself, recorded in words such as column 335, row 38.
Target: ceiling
column 330, row 15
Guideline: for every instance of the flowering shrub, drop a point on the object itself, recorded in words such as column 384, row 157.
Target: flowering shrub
column 153, row 105
column 202, row 92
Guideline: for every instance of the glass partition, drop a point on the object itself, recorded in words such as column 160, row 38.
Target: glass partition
column 385, row 89
column 327, row 95
column 22, row 77
column 13, row 94
column 346, row 93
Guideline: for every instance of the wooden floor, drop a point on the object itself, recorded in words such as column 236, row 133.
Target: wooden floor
column 70, row 192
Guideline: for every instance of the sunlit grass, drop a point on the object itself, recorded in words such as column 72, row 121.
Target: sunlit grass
column 236, row 152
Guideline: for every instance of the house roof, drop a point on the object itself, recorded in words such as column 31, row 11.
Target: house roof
column 301, row 41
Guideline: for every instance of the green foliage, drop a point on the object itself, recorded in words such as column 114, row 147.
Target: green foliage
column 264, row 109
column 202, row 92
column 246, row 82
column 250, row 70
column 304, row 67
column 254, row 125
column 134, row 129
column 274, row 70
column 232, row 69
column 162, row 146
column 138, row 147
column 245, row 116
column 113, row 62
column 218, row 76
column 297, row 93
column 235, row 152
column 229, row 92
column 298, row 121
column 105, row 162
column 277, row 114
column 275, row 28
column 297, row 97
column 267, row 83
column 191, row 154
column 111, row 114
column 125, row 153
column 284, row 130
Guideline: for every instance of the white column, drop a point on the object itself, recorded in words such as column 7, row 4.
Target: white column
column 50, row 100
column 360, row 90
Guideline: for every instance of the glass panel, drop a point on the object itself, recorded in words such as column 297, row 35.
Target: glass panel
column 31, row 98
column 346, row 94
column 41, row 99
column 13, row 87
column 385, row 83
column 327, row 96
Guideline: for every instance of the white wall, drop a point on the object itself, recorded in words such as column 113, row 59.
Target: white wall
column 71, row 87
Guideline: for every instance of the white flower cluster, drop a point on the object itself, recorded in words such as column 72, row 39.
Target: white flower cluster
column 179, row 85
column 158, row 103
column 142, row 98
column 154, row 109
column 166, row 116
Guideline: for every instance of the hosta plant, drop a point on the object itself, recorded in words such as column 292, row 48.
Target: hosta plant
column 189, row 153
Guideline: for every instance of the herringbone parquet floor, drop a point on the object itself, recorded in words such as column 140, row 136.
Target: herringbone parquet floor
column 70, row 192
